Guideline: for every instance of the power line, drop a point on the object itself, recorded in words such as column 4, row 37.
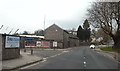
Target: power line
column 1, row 27
column 16, row 31
column 11, row 31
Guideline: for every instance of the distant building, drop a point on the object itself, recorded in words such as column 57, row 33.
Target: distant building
column 73, row 32
column 30, row 40
column 34, row 36
column 63, row 37
column 74, row 41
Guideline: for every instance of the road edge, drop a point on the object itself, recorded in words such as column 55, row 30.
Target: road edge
column 27, row 64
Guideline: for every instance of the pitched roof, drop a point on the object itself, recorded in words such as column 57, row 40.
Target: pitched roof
column 54, row 25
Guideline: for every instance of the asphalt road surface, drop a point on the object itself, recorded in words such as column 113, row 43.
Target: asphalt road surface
column 76, row 58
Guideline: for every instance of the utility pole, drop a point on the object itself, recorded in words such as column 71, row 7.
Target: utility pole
column 44, row 22
column 44, row 25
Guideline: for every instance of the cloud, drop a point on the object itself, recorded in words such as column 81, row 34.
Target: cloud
column 29, row 14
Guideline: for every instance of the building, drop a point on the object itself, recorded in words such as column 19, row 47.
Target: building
column 28, row 41
column 62, row 37
column 73, row 32
column 74, row 41
column 34, row 36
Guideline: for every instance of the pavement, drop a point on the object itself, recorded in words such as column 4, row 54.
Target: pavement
column 24, row 60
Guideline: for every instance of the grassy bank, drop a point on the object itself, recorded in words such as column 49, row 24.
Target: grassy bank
column 110, row 49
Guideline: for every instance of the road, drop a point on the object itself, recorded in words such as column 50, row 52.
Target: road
column 76, row 58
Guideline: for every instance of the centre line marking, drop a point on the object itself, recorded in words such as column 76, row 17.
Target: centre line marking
column 84, row 62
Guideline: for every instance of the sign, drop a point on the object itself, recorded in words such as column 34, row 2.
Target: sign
column 30, row 42
column 54, row 44
column 38, row 44
column 12, row 42
column 45, row 44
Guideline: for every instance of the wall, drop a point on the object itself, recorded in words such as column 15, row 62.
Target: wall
column 74, row 42
column 77, row 42
column 65, row 39
column 9, row 53
column 84, row 43
column 0, row 47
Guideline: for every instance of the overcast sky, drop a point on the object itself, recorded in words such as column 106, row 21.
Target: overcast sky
column 28, row 15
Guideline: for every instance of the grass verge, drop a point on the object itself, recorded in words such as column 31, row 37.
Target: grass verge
column 110, row 49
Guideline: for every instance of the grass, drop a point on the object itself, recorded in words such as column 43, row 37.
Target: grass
column 110, row 49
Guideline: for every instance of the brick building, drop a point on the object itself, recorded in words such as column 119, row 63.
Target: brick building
column 63, row 38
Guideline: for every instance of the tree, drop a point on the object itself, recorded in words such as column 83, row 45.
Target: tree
column 88, row 33
column 105, row 37
column 106, row 15
column 25, row 33
column 80, row 33
column 39, row 32
column 86, row 25
column 86, row 28
column 93, row 33
column 84, row 33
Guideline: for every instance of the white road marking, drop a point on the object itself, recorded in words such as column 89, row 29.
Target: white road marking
column 65, row 51
column 84, row 62
column 44, row 59
column 84, row 65
column 47, row 57
column 55, row 55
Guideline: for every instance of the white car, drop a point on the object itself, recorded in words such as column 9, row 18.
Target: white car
column 92, row 46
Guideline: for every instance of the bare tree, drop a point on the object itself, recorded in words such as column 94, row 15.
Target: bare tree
column 39, row 32
column 106, row 15
column 106, row 38
column 25, row 33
